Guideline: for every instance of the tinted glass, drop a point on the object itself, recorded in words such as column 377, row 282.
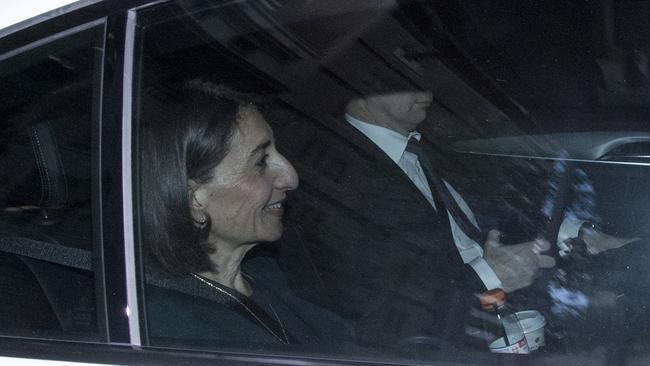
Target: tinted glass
column 529, row 176
column 49, row 112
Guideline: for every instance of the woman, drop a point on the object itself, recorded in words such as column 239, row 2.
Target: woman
column 213, row 187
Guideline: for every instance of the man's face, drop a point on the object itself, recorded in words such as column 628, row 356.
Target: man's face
column 400, row 111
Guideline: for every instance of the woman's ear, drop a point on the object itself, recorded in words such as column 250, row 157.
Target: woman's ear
column 194, row 194
column 196, row 202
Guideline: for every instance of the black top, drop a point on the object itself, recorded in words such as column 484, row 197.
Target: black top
column 187, row 311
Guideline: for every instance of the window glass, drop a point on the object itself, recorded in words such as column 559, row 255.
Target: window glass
column 49, row 110
column 351, row 178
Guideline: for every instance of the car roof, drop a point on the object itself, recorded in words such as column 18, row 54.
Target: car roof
column 26, row 13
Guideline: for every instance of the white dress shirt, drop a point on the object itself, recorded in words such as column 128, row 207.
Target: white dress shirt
column 394, row 145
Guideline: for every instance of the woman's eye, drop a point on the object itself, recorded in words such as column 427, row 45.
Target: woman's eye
column 262, row 162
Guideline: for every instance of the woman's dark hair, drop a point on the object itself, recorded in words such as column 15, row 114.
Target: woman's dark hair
column 184, row 136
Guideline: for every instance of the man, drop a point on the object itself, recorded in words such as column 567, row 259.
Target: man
column 390, row 121
column 369, row 237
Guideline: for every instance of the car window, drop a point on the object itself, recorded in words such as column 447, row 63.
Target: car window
column 349, row 179
column 49, row 111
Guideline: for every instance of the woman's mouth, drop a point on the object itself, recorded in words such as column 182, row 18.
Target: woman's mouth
column 275, row 209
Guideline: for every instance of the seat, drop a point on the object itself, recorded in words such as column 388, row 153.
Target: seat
column 46, row 279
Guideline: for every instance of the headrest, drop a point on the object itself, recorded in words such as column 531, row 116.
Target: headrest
column 46, row 166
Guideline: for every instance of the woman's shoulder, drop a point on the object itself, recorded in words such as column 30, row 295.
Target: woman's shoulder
column 267, row 275
column 178, row 317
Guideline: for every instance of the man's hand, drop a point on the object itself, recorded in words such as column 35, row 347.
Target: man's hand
column 598, row 242
column 516, row 265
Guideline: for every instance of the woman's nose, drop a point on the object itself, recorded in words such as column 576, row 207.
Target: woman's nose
column 287, row 177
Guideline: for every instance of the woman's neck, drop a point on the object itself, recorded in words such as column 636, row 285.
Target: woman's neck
column 227, row 259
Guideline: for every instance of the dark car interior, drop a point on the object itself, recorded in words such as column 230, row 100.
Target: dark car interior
column 544, row 125
column 46, row 216
column 507, row 127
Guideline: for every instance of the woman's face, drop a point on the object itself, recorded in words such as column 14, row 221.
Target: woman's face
column 245, row 198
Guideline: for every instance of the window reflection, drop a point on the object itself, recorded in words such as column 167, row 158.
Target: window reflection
column 48, row 109
column 441, row 151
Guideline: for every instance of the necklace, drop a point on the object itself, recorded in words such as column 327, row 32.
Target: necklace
column 244, row 306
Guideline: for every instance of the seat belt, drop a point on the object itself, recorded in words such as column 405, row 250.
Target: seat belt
column 49, row 252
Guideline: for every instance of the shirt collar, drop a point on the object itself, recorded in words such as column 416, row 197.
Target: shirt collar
column 390, row 142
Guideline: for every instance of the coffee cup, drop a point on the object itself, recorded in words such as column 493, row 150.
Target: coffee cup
column 533, row 323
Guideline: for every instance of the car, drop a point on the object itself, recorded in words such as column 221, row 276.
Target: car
column 538, row 110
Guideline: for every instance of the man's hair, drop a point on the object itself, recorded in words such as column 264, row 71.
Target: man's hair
column 184, row 136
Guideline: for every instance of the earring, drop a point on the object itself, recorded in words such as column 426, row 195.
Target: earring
column 202, row 221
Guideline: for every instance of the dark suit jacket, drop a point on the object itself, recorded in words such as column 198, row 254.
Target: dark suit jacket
column 363, row 241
